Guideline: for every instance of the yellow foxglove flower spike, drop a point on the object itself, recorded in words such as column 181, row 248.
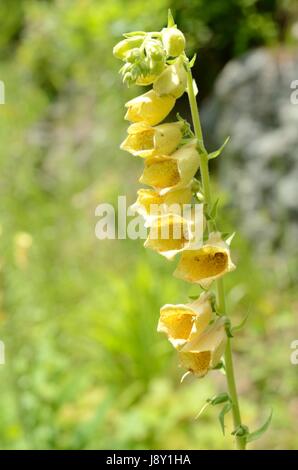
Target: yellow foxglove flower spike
column 150, row 203
column 183, row 322
column 172, row 81
column 209, row 262
column 146, row 141
column 204, row 351
column 149, row 107
column 172, row 160
column 172, row 233
column 166, row 173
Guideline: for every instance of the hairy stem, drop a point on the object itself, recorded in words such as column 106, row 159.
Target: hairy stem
column 221, row 302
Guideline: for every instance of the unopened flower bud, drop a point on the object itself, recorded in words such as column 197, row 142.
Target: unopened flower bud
column 124, row 47
column 133, row 55
column 173, row 41
column 154, row 50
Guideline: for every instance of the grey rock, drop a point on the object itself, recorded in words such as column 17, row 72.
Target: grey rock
column 252, row 103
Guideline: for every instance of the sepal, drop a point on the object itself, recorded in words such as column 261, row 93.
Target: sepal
column 217, row 152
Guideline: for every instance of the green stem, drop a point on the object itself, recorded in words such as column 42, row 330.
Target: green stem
column 199, row 135
column 221, row 302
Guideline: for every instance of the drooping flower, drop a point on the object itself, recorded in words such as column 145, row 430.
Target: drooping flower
column 168, row 235
column 183, row 322
column 204, row 351
column 150, row 203
column 172, row 81
column 146, row 141
column 171, row 233
column 168, row 172
column 209, row 262
column 149, row 107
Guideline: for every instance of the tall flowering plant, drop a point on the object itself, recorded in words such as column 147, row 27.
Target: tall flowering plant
column 176, row 171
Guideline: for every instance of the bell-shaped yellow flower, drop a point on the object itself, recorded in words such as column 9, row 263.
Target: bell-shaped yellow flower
column 150, row 203
column 172, row 81
column 205, row 350
column 169, row 172
column 171, row 233
column 182, row 322
column 149, row 107
column 146, row 141
column 209, row 262
column 168, row 235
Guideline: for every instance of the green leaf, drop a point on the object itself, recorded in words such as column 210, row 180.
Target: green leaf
column 241, row 324
column 216, row 153
column 171, row 21
column 252, row 436
column 222, row 414
column 230, row 238
column 192, row 61
column 220, row 398
column 220, row 366
column 213, row 211
column 216, row 400
column 225, row 235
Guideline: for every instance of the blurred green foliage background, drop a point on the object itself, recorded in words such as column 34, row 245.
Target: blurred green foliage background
column 85, row 367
